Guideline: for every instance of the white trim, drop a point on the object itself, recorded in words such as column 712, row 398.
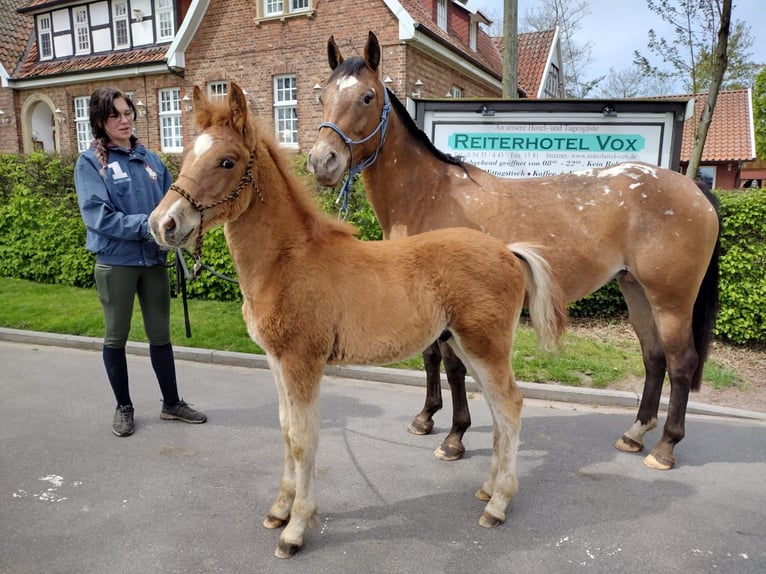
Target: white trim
column 548, row 62
column 409, row 33
column 406, row 23
column 89, row 77
column 751, row 125
column 176, row 54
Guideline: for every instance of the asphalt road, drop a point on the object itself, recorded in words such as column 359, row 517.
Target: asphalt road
column 178, row 498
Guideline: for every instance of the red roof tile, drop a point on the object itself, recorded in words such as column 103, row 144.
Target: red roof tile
column 15, row 29
column 532, row 55
column 32, row 68
column 485, row 53
column 730, row 137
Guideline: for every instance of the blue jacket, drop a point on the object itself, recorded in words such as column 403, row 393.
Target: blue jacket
column 115, row 207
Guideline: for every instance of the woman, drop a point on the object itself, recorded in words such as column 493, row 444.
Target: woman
column 119, row 182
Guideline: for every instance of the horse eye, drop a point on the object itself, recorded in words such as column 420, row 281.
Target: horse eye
column 228, row 163
column 367, row 98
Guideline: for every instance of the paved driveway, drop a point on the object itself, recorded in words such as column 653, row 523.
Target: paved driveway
column 177, row 498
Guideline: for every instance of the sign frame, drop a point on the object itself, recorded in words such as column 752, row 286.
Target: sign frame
column 541, row 137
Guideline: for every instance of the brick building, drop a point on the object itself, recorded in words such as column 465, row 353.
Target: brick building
column 157, row 50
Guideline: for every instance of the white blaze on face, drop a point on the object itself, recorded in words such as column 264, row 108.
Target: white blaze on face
column 202, row 144
column 346, row 82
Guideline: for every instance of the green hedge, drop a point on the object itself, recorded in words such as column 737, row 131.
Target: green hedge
column 43, row 238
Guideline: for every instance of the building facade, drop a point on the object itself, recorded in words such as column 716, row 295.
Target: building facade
column 157, row 50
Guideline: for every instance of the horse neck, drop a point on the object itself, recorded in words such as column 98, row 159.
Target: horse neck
column 274, row 220
column 402, row 161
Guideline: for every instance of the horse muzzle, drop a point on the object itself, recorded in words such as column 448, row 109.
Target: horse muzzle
column 173, row 230
column 326, row 164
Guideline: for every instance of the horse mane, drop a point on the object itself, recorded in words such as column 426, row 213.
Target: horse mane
column 320, row 225
column 413, row 129
column 352, row 66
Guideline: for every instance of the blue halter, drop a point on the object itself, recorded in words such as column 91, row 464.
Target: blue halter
column 355, row 169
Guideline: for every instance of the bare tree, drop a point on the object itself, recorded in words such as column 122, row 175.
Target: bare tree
column 720, row 55
column 632, row 82
column 576, row 56
column 698, row 25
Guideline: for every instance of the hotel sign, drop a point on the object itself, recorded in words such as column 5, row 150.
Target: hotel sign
column 531, row 138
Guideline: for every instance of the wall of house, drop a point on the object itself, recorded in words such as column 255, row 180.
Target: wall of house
column 727, row 176
column 231, row 45
column 437, row 80
column 39, row 103
column 8, row 128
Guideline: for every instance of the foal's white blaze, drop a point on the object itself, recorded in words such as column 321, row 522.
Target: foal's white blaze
column 202, row 144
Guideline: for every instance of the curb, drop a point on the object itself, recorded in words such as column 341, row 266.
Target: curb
column 540, row 391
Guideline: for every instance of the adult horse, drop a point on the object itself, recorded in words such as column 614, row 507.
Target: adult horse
column 650, row 228
column 316, row 295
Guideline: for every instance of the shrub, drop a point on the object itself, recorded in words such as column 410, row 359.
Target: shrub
column 742, row 314
column 44, row 238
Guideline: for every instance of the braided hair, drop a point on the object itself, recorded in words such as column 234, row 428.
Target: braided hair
column 101, row 107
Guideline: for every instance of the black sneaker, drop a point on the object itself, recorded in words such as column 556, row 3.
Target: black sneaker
column 123, row 421
column 182, row 412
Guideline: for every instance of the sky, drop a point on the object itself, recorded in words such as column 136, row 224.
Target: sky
column 617, row 28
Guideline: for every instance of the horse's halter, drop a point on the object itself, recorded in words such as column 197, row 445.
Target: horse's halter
column 355, row 169
column 247, row 178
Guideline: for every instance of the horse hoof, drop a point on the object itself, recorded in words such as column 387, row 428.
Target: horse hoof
column 659, row 462
column 627, row 444
column 481, row 495
column 286, row 549
column 272, row 521
column 489, row 521
column 420, row 427
column 449, row 452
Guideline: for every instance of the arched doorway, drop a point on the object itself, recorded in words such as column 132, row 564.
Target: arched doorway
column 39, row 129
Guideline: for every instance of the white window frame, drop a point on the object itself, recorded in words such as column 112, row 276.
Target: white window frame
column 473, row 36
column 121, row 18
column 271, row 8
column 171, row 127
column 165, row 18
column 441, row 14
column 286, row 110
column 456, row 92
column 45, row 36
column 217, row 90
column 81, row 30
column 82, row 122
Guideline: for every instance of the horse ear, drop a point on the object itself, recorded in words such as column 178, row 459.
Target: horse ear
column 198, row 98
column 238, row 105
column 372, row 52
column 333, row 53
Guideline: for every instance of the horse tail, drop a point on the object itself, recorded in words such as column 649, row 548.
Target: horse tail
column 706, row 304
column 545, row 300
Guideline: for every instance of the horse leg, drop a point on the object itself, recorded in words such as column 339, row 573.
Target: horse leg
column 279, row 513
column 505, row 402
column 423, row 423
column 682, row 364
column 301, row 393
column 653, row 354
column 452, row 447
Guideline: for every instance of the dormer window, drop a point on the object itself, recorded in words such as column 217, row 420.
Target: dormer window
column 165, row 23
column 441, row 14
column 121, row 24
column 81, row 31
column 44, row 39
